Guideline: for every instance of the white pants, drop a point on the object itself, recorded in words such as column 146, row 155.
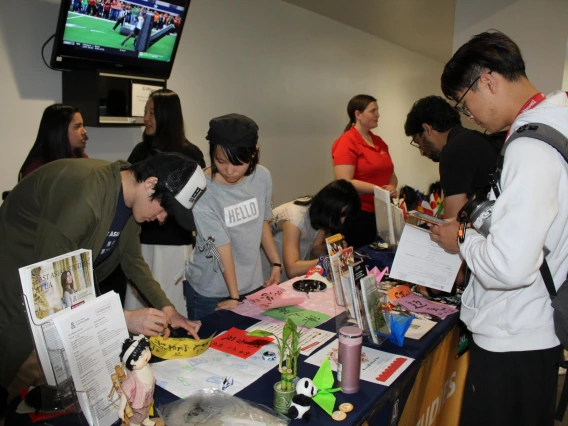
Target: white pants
column 167, row 264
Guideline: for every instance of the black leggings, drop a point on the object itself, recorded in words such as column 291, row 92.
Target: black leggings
column 511, row 388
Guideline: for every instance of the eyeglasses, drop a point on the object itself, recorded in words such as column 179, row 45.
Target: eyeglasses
column 462, row 108
column 414, row 143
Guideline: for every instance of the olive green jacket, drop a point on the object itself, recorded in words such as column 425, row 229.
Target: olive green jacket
column 63, row 206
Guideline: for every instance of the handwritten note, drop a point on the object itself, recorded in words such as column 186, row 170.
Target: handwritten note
column 399, row 292
column 177, row 348
column 422, row 306
column 236, row 342
column 273, row 297
column 303, row 317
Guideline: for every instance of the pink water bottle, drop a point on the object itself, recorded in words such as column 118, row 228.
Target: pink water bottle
column 349, row 367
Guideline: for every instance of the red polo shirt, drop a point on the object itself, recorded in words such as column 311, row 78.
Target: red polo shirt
column 373, row 164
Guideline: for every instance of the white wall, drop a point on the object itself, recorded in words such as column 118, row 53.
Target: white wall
column 565, row 76
column 290, row 70
column 538, row 27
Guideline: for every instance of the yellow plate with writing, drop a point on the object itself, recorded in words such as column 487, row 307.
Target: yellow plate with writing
column 177, row 348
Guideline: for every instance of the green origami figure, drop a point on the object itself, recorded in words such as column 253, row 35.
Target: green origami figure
column 324, row 381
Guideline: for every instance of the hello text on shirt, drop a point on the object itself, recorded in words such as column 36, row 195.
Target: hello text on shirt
column 241, row 213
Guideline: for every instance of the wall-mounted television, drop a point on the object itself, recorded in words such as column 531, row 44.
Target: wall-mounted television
column 138, row 37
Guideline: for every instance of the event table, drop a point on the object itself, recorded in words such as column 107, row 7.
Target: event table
column 371, row 402
column 374, row 404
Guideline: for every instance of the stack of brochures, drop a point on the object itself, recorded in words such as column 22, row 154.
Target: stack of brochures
column 77, row 335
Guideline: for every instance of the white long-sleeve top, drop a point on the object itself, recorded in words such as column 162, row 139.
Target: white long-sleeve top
column 506, row 304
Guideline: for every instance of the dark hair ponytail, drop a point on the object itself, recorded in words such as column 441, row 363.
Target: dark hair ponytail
column 357, row 103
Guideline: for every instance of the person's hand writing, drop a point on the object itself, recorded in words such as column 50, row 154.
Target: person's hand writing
column 391, row 189
column 446, row 235
column 146, row 321
column 177, row 320
column 227, row 304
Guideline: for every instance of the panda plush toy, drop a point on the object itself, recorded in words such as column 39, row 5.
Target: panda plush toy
column 301, row 403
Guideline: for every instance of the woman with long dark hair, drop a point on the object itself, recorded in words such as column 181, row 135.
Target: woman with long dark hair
column 165, row 247
column 300, row 225
column 67, row 287
column 363, row 158
column 61, row 134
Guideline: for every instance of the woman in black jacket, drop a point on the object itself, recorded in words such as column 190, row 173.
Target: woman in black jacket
column 164, row 247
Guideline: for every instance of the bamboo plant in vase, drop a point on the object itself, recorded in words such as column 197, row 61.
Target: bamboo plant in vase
column 289, row 350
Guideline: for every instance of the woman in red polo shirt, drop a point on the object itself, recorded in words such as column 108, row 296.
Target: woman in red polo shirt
column 361, row 157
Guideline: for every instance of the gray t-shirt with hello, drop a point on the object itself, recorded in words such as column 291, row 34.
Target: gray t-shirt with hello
column 231, row 214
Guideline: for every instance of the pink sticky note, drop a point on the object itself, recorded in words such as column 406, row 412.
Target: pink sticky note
column 273, row 297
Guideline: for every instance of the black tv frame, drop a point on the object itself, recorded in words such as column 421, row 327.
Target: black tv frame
column 65, row 57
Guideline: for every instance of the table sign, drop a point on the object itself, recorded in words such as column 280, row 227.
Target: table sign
column 302, row 317
column 273, row 297
column 310, row 339
column 236, row 342
column 399, row 292
column 175, row 348
column 376, row 366
column 420, row 305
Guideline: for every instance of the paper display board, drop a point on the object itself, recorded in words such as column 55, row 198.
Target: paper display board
column 140, row 94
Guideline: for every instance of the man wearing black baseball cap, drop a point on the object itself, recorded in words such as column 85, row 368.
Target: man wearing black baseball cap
column 91, row 204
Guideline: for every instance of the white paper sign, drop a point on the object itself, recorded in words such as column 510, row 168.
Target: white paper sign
column 310, row 339
column 92, row 335
column 140, row 93
column 419, row 260
column 377, row 366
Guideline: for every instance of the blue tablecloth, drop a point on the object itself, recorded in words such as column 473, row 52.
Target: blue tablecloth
column 374, row 403
column 368, row 402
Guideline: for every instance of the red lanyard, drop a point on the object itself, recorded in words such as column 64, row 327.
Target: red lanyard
column 530, row 104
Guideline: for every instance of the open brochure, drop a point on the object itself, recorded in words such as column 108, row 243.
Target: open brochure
column 50, row 288
column 92, row 336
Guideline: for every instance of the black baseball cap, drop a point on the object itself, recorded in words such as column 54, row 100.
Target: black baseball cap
column 183, row 178
column 233, row 130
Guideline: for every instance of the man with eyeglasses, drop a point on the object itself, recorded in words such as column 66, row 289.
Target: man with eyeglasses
column 466, row 157
column 513, row 373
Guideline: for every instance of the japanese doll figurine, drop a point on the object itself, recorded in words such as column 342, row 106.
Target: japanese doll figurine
column 138, row 388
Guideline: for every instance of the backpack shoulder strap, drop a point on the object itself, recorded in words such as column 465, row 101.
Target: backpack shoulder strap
column 539, row 131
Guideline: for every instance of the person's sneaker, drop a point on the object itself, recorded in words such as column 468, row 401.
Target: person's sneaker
column 561, row 371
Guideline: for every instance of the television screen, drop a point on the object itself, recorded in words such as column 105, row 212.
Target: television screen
column 139, row 36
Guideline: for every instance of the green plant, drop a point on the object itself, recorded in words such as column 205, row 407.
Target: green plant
column 289, row 350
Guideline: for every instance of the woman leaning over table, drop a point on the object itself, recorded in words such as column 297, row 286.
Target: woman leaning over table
column 303, row 224
column 362, row 158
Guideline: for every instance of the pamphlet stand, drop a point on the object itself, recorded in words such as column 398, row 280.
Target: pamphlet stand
column 62, row 396
column 344, row 314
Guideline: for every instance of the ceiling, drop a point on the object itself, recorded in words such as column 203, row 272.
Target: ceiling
column 423, row 26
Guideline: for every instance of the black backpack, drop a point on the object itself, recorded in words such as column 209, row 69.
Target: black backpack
column 559, row 298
